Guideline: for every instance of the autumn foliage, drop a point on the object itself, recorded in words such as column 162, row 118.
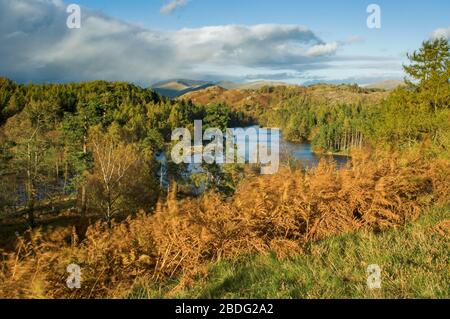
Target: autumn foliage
column 282, row 213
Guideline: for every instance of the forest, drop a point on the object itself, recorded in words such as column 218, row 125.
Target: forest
column 413, row 114
column 80, row 183
column 341, row 118
column 95, row 140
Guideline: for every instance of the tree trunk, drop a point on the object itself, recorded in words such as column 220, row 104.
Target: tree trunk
column 66, row 173
column 109, row 209
column 30, row 214
column 83, row 206
column 30, row 190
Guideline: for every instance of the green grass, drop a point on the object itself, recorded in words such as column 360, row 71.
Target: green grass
column 414, row 260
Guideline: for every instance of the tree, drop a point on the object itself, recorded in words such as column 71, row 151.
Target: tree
column 217, row 116
column 7, row 175
column 30, row 164
column 429, row 71
column 75, row 133
column 121, row 180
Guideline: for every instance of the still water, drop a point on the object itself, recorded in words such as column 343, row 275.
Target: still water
column 299, row 153
column 303, row 153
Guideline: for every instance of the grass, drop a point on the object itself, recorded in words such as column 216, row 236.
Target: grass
column 323, row 220
column 414, row 262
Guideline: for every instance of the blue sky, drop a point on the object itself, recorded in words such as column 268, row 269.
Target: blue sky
column 349, row 50
column 405, row 23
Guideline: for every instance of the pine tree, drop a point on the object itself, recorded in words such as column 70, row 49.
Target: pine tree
column 429, row 71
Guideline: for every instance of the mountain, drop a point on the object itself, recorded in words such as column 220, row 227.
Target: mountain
column 256, row 85
column 177, row 87
column 253, row 102
column 387, row 85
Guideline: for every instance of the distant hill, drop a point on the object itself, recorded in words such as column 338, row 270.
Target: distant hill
column 182, row 87
column 253, row 102
column 386, row 85
column 256, row 85
column 178, row 87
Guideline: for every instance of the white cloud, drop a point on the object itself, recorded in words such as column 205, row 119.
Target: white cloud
column 245, row 45
column 441, row 33
column 323, row 49
column 37, row 46
column 173, row 5
column 353, row 39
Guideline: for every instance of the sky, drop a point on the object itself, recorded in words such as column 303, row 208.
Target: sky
column 146, row 41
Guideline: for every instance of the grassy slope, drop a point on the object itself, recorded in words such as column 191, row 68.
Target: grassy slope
column 255, row 99
column 414, row 262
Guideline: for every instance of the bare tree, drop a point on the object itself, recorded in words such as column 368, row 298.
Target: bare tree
column 114, row 160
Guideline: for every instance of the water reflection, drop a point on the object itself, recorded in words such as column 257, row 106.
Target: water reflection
column 303, row 153
column 299, row 153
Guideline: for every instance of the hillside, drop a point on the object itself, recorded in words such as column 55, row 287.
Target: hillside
column 178, row 87
column 256, row 85
column 80, row 182
column 333, row 275
column 388, row 85
column 183, row 87
column 274, row 97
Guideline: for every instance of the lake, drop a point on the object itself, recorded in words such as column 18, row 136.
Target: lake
column 300, row 153
column 303, row 153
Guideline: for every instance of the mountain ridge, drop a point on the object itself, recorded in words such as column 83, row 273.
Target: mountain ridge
column 175, row 88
